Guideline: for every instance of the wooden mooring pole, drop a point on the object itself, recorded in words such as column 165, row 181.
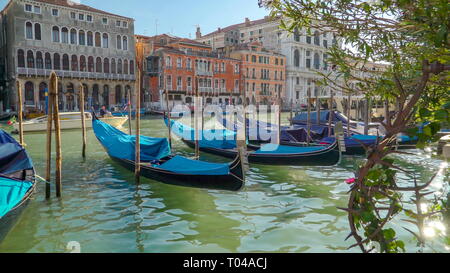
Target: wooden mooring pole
column 129, row 113
column 330, row 113
column 308, row 122
column 139, row 62
column 20, row 112
column 49, row 143
column 83, row 121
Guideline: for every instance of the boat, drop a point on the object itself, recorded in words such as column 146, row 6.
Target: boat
column 125, row 113
column 69, row 120
column 17, row 182
column 157, row 162
column 271, row 154
column 336, row 116
column 297, row 135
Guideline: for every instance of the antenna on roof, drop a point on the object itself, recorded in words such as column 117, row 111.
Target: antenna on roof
column 156, row 27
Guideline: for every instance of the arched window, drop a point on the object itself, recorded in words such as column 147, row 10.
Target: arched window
column 132, row 67
column 118, row 94
column 39, row 60
column 113, row 66
column 83, row 64
column 55, row 34
column 90, row 38
column 73, row 36
column 106, row 65
column 56, row 61
column 105, row 40
column 125, row 43
column 316, row 38
column 28, row 30
column 91, row 64
column 105, row 95
column 98, row 39
column 30, row 59
column 20, row 58
column 297, row 58
column 65, row 62
column 125, row 67
column 119, row 42
column 296, row 35
column 42, row 89
column 316, row 61
column 48, row 61
column 74, row 62
column 81, row 37
column 37, row 31
column 98, row 65
column 64, row 35
column 29, row 93
column 119, row 66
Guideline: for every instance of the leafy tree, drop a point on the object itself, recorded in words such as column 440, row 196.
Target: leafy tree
column 412, row 38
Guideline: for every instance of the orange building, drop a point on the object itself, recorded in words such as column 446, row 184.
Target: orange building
column 176, row 64
column 263, row 73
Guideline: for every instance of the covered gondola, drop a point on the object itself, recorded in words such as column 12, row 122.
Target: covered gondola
column 17, row 182
column 297, row 135
column 223, row 143
column 157, row 162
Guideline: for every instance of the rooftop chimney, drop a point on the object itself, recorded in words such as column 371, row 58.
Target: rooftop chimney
column 198, row 34
column 247, row 22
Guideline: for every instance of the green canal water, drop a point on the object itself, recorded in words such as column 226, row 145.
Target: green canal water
column 281, row 209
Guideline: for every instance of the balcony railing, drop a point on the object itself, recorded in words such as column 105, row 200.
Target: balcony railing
column 74, row 74
column 203, row 73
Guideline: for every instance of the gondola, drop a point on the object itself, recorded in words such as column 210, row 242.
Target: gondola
column 17, row 182
column 157, row 162
column 271, row 154
column 297, row 135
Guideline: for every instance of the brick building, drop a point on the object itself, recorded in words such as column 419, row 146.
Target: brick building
column 177, row 63
column 263, row 73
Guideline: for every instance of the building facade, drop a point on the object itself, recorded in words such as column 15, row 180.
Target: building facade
column 263, row 73
column 81, row 44
column 305, row 54
column 180, row 66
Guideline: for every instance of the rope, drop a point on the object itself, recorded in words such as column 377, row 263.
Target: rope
column 42, row 179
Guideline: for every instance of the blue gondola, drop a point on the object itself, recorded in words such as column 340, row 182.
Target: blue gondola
column 223, row 143
column 298, row 134
column 17, row 182
column 159, row 164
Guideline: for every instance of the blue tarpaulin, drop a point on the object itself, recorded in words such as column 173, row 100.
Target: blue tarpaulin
column 183, row 165
column 11, row 193
column 324, row 117
column 122, row 146
column 13, row 158
column 221, row 138
column 281, row 149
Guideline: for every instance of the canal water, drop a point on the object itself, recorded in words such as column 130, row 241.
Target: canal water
column 281, row 209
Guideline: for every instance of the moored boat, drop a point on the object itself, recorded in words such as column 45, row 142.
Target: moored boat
column 17, row 182
column 271, row 154
column 158, row 163
column 69, row 120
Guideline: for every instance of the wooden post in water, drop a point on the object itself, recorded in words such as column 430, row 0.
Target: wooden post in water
column 20, row 112
column 317, row 107
column 83, row 121
column 366, row 117
column 129, row 113
column 169, row 119
column 197, row 103
column 330, row 113
column 139, row 63
column 349, row 105
column 279, row 117
column 56, row 120
column 49, row 143
column 308, row 119
column 292, row 109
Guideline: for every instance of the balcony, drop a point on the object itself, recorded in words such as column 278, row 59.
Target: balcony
column 74, row 74
column 205, row 89
column 203, row 73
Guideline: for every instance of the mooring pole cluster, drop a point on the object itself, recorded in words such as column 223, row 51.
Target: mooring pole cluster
column 53, row 120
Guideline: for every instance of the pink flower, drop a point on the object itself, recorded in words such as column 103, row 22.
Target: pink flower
column 350, row 181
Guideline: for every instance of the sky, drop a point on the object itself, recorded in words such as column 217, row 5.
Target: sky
column 179, row 17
